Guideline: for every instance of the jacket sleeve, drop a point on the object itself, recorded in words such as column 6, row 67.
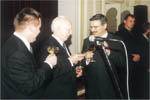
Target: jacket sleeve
column 25, row 74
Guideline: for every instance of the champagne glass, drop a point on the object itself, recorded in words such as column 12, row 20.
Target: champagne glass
column 92, row 48
column 79, row 62
column 56, row 50
column 52, row 50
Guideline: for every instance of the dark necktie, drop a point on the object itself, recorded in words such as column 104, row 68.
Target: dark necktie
column 31, row 50
column 65, row 47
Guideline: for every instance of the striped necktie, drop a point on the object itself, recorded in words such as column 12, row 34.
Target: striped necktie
column 31, row 50
column 65, row 47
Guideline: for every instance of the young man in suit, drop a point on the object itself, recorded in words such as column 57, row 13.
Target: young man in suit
column 63, row 83
column 132, row 43
column 99, row 83
column 21, row 76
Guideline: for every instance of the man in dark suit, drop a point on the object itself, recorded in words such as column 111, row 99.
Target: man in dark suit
column 21, row 76
column 142, row 71
column 134, row 53
column 99, row 80
column 63, row 83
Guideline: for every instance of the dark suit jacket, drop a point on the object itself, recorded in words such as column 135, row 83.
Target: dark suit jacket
column 63, row 83
column 133, row 47
column 21, row 77
column 142, row 73
column 98, row 78
column 132, row 43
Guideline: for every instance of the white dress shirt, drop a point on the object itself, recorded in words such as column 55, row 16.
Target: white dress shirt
column 103, row 36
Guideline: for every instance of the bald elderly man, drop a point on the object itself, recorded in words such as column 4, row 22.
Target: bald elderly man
column 63, row 83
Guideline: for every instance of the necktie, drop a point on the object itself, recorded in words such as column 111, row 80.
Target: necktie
column 31, row 49
column 65, row 47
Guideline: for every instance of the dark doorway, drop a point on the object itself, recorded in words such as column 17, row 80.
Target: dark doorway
column 141, row 16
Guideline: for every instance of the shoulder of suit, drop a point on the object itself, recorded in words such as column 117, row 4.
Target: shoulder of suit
column 11, row 45
column 86, row 39
column 116, row 37
column 113, row 36
column 51, row 41
column 48, row 41
column 13, row 41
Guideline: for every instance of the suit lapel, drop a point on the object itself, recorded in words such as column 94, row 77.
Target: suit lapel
column 109, row 36
column 56, row 43
column 22, row 47
column 68, row 50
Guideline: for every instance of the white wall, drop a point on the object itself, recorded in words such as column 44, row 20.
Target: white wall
column 149, row 13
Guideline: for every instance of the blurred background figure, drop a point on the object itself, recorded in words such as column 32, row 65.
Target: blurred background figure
column 143, row 69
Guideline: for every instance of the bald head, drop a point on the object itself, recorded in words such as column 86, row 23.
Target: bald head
column 61, row 27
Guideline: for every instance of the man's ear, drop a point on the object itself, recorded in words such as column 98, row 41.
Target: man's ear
column 105, row 26
column 31, row 27
column 124, row 21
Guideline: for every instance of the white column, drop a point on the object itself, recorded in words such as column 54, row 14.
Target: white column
column 85, row 18
column 103, row 6
column 149, row 13
column 94, row 7
column 79, row 26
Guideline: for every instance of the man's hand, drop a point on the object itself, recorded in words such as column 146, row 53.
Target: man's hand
column 107, row 47
column 51, row 60
column 136, row 57
column 78, row 71
column 89, row 55
column 76, row 57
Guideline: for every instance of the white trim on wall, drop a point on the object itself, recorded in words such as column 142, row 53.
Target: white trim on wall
column 149, row 13
column 79, row 26
column 103, row 7
column 94, row 7
column 85, row 18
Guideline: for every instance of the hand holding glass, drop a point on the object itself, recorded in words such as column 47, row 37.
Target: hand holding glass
column 52, row 50
column 91, row 49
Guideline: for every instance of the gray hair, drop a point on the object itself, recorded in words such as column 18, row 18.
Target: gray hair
column 60, row 21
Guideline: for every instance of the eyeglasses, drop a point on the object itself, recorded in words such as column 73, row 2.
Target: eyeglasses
column 95, row 27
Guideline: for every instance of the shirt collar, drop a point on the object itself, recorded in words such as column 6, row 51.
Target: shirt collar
column 59, row 41
column 105, row 35
column 27, row 44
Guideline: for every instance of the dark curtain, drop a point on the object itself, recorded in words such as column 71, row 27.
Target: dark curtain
column 9, row 9
column 141, row 17
column 48, row 10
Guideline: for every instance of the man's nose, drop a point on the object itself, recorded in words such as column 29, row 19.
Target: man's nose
column 71, row 33
column 92, row 29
